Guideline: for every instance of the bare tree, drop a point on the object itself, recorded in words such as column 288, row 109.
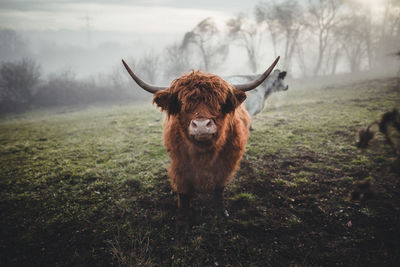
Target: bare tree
column 149, row 66
column 391, row 18
column 176, row 61
column 389, row 37
column 334, row 54
column 284, row 19
column 366, row 26
column 262, row 18
column 351, row 36
column 117, row 78
column 18, row 81
column 323, row 17
column 247, row 34
column 301, row 58
column 368, row 29
column 205, row 37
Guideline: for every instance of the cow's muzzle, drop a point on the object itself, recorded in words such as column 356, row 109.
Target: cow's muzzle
column 202, row 129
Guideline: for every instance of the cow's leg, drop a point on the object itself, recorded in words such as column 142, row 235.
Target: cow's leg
column 184, row 213
column 220, row 202
column 184, row 202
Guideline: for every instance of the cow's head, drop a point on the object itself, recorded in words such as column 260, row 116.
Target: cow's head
column 276, row 81
column 201, row 102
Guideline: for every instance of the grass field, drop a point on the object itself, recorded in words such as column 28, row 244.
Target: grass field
column 89, row 188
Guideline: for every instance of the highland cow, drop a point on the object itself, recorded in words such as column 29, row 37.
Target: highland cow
column 205, row 132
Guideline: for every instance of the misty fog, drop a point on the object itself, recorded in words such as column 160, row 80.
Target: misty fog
column 78, row 61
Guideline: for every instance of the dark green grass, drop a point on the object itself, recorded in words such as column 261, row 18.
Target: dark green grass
column 90, row 187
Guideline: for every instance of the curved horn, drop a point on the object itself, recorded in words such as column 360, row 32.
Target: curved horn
column 148, row 87
column 251, row 85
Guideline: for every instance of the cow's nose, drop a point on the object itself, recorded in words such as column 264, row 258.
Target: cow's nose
column 200, row 127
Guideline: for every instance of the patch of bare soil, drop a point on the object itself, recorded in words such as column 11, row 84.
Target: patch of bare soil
column 315, row 219
column 305, row 211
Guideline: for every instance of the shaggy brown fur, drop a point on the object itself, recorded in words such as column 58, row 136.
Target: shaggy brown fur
column 203, row 166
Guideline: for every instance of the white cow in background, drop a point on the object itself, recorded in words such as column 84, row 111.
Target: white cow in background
column 256, row 98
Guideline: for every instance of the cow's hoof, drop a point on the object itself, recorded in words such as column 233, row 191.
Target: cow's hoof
column 222, row 213
column 182, row 227
column 225, row 214
column 184, row 220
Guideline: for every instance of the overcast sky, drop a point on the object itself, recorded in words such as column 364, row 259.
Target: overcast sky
column 58, row 30
column 91, row 35
column 157, row 16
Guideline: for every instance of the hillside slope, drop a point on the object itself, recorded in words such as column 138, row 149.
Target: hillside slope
column 89, row 188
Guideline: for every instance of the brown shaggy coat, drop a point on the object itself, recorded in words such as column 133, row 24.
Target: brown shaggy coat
column 203, row 166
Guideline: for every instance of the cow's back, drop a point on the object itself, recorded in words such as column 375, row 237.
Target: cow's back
column 254, row 102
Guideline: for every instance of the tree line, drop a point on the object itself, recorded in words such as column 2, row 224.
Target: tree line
column 22, row 87
column 313, row 37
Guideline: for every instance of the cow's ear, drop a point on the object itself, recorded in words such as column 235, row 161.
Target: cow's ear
column 167, row 102
column 282, row 75
column 240, row 96
column 233, row 100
